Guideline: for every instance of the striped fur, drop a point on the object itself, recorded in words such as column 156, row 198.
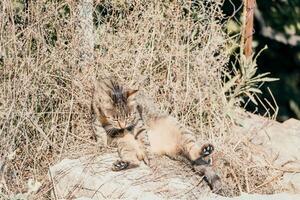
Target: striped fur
column 114, row 107
column 168, row 137
column 131, row 151
column 120, row 120
column 125, row 117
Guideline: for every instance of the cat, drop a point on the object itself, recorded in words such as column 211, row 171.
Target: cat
column 119, row 117
column 131, row 122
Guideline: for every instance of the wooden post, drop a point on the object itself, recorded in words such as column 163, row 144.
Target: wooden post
column 248, row 32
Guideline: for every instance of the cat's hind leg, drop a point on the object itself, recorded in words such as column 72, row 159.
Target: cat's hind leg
column 209, row 176
column 192, row 150
column 205, row 151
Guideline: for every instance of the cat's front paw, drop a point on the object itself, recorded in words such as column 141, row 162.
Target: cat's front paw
column 120, row 165
column 206, row 150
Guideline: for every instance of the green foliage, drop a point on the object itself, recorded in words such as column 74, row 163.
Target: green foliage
column 276, row 24
column 244, row 82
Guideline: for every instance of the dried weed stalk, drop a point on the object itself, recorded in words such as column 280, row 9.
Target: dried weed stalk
column 175, row 51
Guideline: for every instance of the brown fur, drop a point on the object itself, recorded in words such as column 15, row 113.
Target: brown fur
column 118, row 117
column 179, row 140
column 114, row 106
column 131, row 149
column 116, row 109
column 167, row 137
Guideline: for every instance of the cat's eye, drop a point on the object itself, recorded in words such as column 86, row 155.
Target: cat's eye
column 116, row 118
column 130, row 128
column 112, row 118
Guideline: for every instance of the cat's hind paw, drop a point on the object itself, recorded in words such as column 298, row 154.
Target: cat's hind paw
column 206, row 150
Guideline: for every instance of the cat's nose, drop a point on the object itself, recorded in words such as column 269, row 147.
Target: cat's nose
column 122, row 124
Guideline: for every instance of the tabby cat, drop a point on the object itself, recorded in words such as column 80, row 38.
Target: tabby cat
column 120, row 118
column 127, row 119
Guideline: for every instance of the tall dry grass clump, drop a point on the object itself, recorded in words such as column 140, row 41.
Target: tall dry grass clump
column 174, row 51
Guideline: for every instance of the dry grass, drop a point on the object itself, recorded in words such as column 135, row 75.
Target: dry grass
column 172, row 52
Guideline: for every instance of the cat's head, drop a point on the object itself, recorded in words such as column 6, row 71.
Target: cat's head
column 120, row 108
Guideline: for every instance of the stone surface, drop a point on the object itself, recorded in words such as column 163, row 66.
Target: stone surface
column 90, row 177
column 282, row 196
column 280, row 143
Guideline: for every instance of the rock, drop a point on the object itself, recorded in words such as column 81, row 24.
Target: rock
column 280, row 143
column 90, row 177
column 244, row 196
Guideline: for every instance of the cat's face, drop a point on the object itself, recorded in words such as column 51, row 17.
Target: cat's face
column 121, row 120
column 121, row 112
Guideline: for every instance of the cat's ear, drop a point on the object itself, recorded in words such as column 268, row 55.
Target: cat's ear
column 130, row 93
